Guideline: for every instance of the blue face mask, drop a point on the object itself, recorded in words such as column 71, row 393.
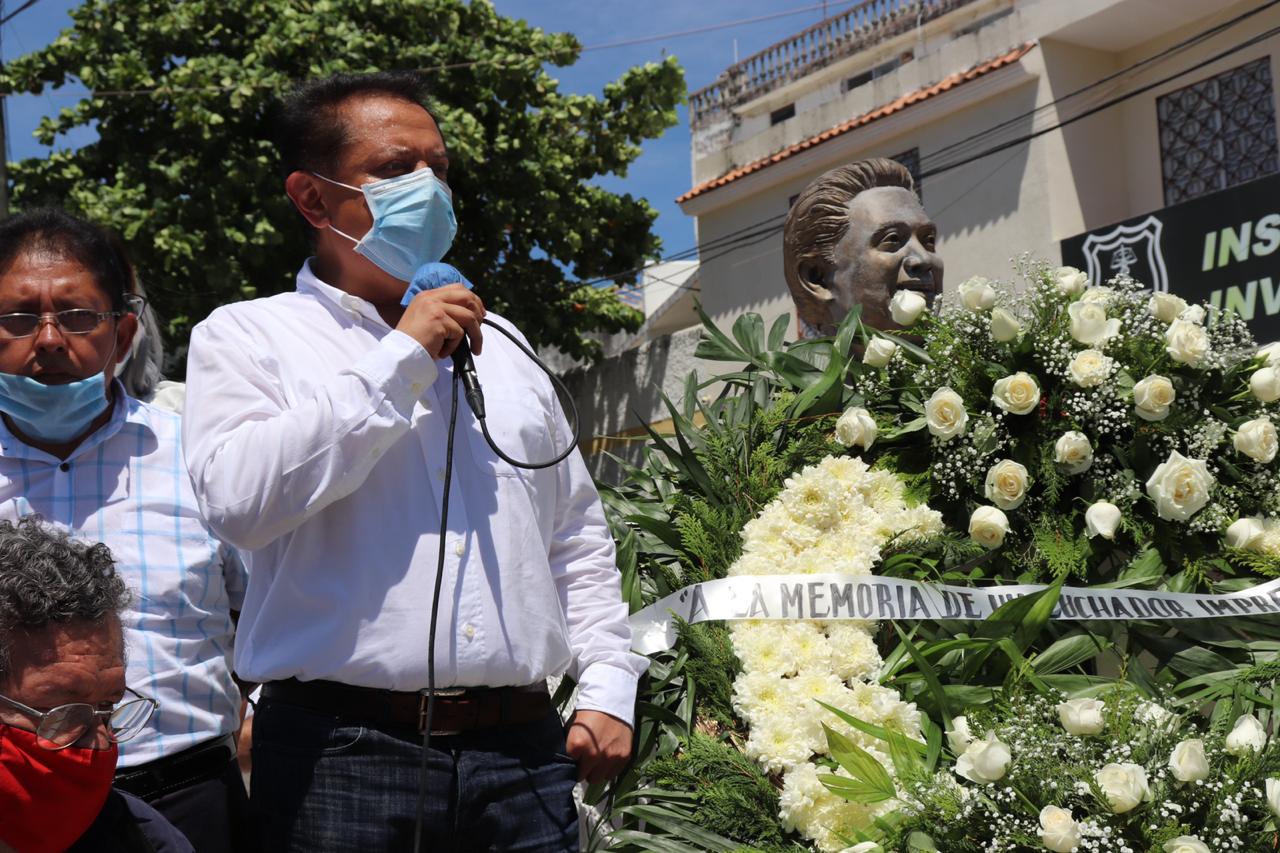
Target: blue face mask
column 53, row 413
column 413, row 222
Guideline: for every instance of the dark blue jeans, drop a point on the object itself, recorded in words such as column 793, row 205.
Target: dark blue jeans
column 322, row 785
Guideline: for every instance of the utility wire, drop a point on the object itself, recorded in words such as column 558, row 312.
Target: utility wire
column 453, row 66
column 750, row 235
column 18, row 11
column 1111, row 102
column 970, row 141
column 710, row 27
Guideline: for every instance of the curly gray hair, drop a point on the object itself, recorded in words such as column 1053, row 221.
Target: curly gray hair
column 48, row 577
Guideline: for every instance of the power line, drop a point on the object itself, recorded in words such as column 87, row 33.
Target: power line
column 1111, row 102
column 1196, row 39
column 710, row 27
column 18, row 11
column 452, row 66
column 748, row 235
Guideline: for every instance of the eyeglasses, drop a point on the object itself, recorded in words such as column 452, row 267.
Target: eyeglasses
column 73, row 321
column 60, row 727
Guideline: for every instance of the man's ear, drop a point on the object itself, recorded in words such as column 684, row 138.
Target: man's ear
column 815, row 278
column 304, row 192
column 126, row 331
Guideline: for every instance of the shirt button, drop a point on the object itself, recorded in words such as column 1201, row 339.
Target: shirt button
column 439, row 473
column 65, row 466
column 459, row 548
column 469, row 630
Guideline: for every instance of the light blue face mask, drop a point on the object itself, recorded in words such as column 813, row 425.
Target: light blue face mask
column 413, row 222
column 53, row 413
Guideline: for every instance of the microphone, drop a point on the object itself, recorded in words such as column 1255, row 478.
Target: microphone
column 436, row 275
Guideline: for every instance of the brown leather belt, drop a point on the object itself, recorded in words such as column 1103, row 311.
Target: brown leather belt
column 456, row 710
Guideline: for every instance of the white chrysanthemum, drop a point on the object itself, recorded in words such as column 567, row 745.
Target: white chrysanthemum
column 810, row 499
column 808, row 808
column 835, row 516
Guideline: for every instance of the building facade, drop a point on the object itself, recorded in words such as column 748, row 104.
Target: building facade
column 1032, row 125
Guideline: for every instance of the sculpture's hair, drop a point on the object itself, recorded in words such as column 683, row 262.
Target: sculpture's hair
column 820, row 216
column 46, row 577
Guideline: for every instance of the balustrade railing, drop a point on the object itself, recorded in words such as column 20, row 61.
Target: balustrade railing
column 826, row 42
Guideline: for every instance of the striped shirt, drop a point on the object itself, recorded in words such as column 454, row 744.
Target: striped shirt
column 127, row 485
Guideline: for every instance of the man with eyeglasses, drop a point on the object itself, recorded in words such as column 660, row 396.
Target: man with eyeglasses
column 64, row 705
column 80, row 452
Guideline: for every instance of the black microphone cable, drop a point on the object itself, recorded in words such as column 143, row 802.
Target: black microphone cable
column 464, row 373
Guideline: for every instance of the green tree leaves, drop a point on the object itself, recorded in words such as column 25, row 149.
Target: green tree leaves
column 185, row 169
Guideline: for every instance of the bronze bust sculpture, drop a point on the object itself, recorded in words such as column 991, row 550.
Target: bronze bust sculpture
column 855, row 236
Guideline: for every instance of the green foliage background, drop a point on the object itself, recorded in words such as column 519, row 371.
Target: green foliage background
column 185, row 169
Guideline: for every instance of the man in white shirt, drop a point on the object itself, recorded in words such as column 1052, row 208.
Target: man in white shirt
column 316, row 424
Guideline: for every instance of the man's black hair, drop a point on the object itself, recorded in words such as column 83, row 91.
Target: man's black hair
column 308, row 133
column 50, row 229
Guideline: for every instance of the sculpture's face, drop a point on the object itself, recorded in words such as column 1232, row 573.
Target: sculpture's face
column 889, row 247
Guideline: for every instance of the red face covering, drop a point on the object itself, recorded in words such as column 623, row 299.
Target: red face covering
column 49, row 798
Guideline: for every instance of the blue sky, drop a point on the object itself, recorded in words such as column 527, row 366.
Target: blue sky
column 663, row 170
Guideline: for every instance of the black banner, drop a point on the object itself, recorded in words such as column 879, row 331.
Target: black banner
column 1220, row 249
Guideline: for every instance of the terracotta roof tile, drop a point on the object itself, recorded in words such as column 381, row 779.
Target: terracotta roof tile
column 888, row 109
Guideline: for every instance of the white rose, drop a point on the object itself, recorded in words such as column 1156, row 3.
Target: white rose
column 1166, row 307
column 1244, row 532
column 1273, row 796
column 1193, row 314
column 1257, row 440
column 1017, row 394
column 906, row 307
column 1070, row 281
column 1073, row 452
column 1101, row 295
column 984, row 761
column 1186, row 342
column 1152, row 713
column 1089, row 323
column 1270, row 354
column 977, row 294
column 1082, row 716
column 1123, row 785
column 1265, row 384
column 1180, row 487
column 1152, row 397
column 1188, row 762
column 959, row 736
column 1006, row 485
column 1004, row 326
column 1059, row 830
column 945, row 414
column 1247, row 736
column 1089, row 368
column 879, row 352
column 1186, row 844
column 856, row 427
column 988, row 526
column 1102, row 519
column 864, row 847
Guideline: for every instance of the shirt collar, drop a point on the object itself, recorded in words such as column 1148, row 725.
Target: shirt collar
column 124, row 410
column 346, row 304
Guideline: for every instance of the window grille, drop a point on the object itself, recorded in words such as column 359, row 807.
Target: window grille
column 1218, row 133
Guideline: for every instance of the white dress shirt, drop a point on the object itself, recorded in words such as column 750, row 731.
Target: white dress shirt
column 315, row 436
column 126, row 485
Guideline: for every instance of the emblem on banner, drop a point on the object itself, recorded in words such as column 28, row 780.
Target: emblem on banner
column 1132, row 250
